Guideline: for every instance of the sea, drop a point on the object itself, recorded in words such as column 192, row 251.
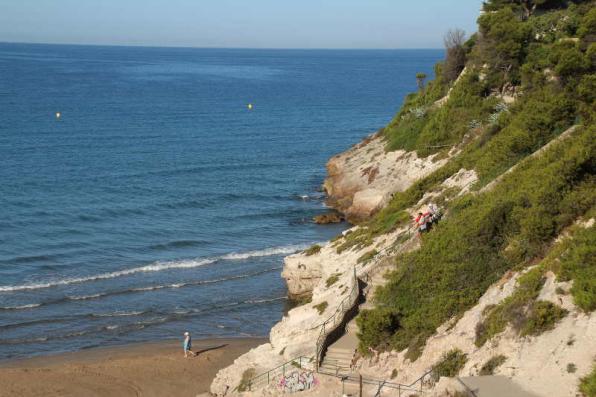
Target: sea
column 145, row 192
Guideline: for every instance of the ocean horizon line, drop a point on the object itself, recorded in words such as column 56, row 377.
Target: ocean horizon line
column 222, row 48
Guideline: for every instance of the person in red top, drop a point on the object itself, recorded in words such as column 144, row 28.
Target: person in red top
column 420, row 222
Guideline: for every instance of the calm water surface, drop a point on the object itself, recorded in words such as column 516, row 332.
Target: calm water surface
column 158, row 202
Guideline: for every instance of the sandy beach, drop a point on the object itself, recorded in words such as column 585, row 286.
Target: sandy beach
column 149, row 369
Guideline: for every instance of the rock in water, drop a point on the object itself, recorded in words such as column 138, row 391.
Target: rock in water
column 331, row 217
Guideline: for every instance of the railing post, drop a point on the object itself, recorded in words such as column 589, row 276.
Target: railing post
column 268, row 377
column 284, row 369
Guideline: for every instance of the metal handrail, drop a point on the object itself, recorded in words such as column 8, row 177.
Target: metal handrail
column 416, row 386
column 329, row 326
column 266, row 377
column 378, row 393
column 338, row 316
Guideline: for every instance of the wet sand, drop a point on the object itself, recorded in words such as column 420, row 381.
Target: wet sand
column 148, row 369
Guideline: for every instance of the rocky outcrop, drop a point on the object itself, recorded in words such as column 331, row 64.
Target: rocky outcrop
column 362, row 180
column 330, row 217
column 327, row 275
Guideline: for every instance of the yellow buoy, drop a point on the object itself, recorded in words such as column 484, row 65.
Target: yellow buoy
column 58, row 115
column 250, row 106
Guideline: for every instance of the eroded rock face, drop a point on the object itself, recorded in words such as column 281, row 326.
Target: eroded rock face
column 296, row 334
column 538, row 364
column 363, row 179
column 302, row 273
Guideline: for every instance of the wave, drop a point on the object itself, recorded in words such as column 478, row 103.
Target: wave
column 290, row 249
column 103, row 276
column 159, row 317
column 120, row 314
column 156, row 267
column 82, row 297
column 21, row 307
column 139, row 289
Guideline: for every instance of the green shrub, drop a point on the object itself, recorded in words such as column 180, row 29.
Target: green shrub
column 495, row 362
column 471, row 249
column 246, row 377
column 368, row 256
column 513, row 309
column 451, row 363
column 484, row 235
column 376, row 327
column 300, row 300
column 332, row 280
column 321, row 307
column 588, row 384
column 313, row 249
column 588, row 24
column 571, row 368
column 543, row 317
column 577, row 262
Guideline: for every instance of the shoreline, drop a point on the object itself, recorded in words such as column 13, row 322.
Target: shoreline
column 147, row 369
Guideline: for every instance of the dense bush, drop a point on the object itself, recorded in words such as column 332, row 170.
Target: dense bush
column 542, row 317
column 526, row 49
column 503, row 42
column 376, row 327
column 451, row 363
column 513, row 310
column 577, row 262
column 484, row 236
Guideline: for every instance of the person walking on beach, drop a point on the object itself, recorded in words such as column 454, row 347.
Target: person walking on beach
column 188, row 345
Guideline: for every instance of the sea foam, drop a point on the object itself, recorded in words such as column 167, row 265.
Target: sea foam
column 155, row 267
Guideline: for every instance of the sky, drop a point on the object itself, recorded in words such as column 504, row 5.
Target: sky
column 238, row 23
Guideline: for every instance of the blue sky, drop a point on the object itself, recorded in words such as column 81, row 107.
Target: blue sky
column 238, row 23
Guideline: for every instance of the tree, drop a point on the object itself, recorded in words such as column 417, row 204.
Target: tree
column 525, row 7
column 503, row 40
column 455, row 60
column 420, row 77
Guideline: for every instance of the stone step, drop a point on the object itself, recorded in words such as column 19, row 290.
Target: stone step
column 334, row 371
column 327, row 362
column 344, row 355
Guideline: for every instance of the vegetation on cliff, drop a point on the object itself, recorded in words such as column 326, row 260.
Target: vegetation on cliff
column 529, row 76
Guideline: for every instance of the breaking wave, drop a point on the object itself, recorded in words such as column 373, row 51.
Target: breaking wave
column 156, row 267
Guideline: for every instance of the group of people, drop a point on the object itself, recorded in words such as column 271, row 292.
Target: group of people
column 424, row 221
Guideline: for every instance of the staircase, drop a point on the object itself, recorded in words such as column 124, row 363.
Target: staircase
column 339, row 355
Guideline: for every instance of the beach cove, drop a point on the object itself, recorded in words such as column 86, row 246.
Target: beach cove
column 148, row 369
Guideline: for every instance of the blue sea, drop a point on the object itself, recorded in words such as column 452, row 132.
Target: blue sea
column 158, row 202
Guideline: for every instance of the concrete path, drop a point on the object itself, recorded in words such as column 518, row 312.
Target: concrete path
column 494, row 386
column 339, row 355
